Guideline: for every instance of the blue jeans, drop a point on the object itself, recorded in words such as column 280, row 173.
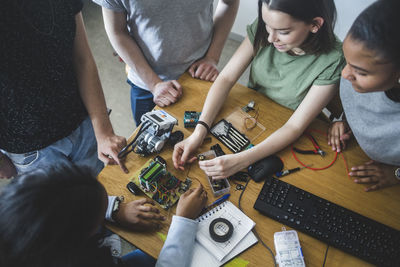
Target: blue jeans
column 141, row 102
column 138, row 258
column 79, row 148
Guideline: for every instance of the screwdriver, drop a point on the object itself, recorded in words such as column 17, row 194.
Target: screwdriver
column 286, row 172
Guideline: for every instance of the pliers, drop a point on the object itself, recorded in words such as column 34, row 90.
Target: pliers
column 317, row 149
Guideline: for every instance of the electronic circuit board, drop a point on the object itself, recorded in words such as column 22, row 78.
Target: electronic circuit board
column 157, row 183
column 191, row 118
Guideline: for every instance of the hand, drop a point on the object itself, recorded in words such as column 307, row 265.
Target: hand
column 338, row 133
column 138, row 216
column 108, row 148
column 222, row 167
column 184, row 151
column 204, row 69
column 7, row 168
column 166, row 93
column 381, row 175
column 192, row 203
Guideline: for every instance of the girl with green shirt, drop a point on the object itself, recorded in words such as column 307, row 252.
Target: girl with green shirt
column 296, row 61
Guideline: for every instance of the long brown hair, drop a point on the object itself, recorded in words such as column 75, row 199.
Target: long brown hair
column 305, row 10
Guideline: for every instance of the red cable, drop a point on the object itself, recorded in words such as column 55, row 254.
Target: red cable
column 314, row 169
column 326, row 167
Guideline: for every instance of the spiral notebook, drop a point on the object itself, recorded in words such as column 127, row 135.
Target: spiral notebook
column 241, row 227
column 201, row 256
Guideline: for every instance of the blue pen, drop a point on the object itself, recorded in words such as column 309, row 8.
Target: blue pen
column 218, row 201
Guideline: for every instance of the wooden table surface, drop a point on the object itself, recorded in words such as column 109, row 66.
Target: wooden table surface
column 332, row 184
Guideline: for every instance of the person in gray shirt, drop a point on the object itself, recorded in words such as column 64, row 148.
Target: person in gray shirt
column 370, row 94
column 160, row 40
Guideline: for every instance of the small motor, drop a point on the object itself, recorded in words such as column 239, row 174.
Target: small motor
column 155, row 130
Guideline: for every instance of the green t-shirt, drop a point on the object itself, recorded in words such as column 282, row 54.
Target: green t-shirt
column 286, row 79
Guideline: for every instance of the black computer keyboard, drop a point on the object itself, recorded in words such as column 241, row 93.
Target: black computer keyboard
column 337, row 226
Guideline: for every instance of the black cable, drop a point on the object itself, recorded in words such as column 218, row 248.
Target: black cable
column 326, row 254
column 254, row 229
column 125, row 150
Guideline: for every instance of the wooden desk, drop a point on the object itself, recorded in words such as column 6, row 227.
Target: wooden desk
column 332, row 184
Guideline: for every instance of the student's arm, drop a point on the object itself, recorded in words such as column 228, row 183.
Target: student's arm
column 164, row 93
column 219, row 91
column 108, row 144
column 225, row 14
column 316, row 99
column 178, row 248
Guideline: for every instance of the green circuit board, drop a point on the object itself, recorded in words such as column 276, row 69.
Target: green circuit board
column 159, row 184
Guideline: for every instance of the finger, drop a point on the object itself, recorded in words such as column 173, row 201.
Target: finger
column 170, row 96
column 207, row 163
column 192, row 159
column 212, row 173
column 143, row 201
column 192, row 70
column 159, row 102
column 343, row 143
column 361, row 167
column 178, row 87
column 373, row 188
column 337, row 140
column 185, row 156
column 199, row 71
column 365, row 180
column 146, row 208
column 118, row 161
column 151, row 216
column 177, row 155
column 329, row 135
column 172, row 90
column 214, row 77
column 362, row 173
column 205, row 71
column 209, row 75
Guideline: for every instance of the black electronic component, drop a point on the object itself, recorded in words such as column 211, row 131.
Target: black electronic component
column 218, row 150
column 265, row 167
column 230, row 136
column 191, row 118
column 133, row 188
column 175, row 138
column 221, row 230
column 337, row 226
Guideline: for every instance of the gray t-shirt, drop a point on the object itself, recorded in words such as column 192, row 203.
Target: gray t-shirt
column 172, row 34
column 375, row 122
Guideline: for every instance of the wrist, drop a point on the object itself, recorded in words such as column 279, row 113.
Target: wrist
column 212, row 57
column 200, row 132
column 153, row 84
